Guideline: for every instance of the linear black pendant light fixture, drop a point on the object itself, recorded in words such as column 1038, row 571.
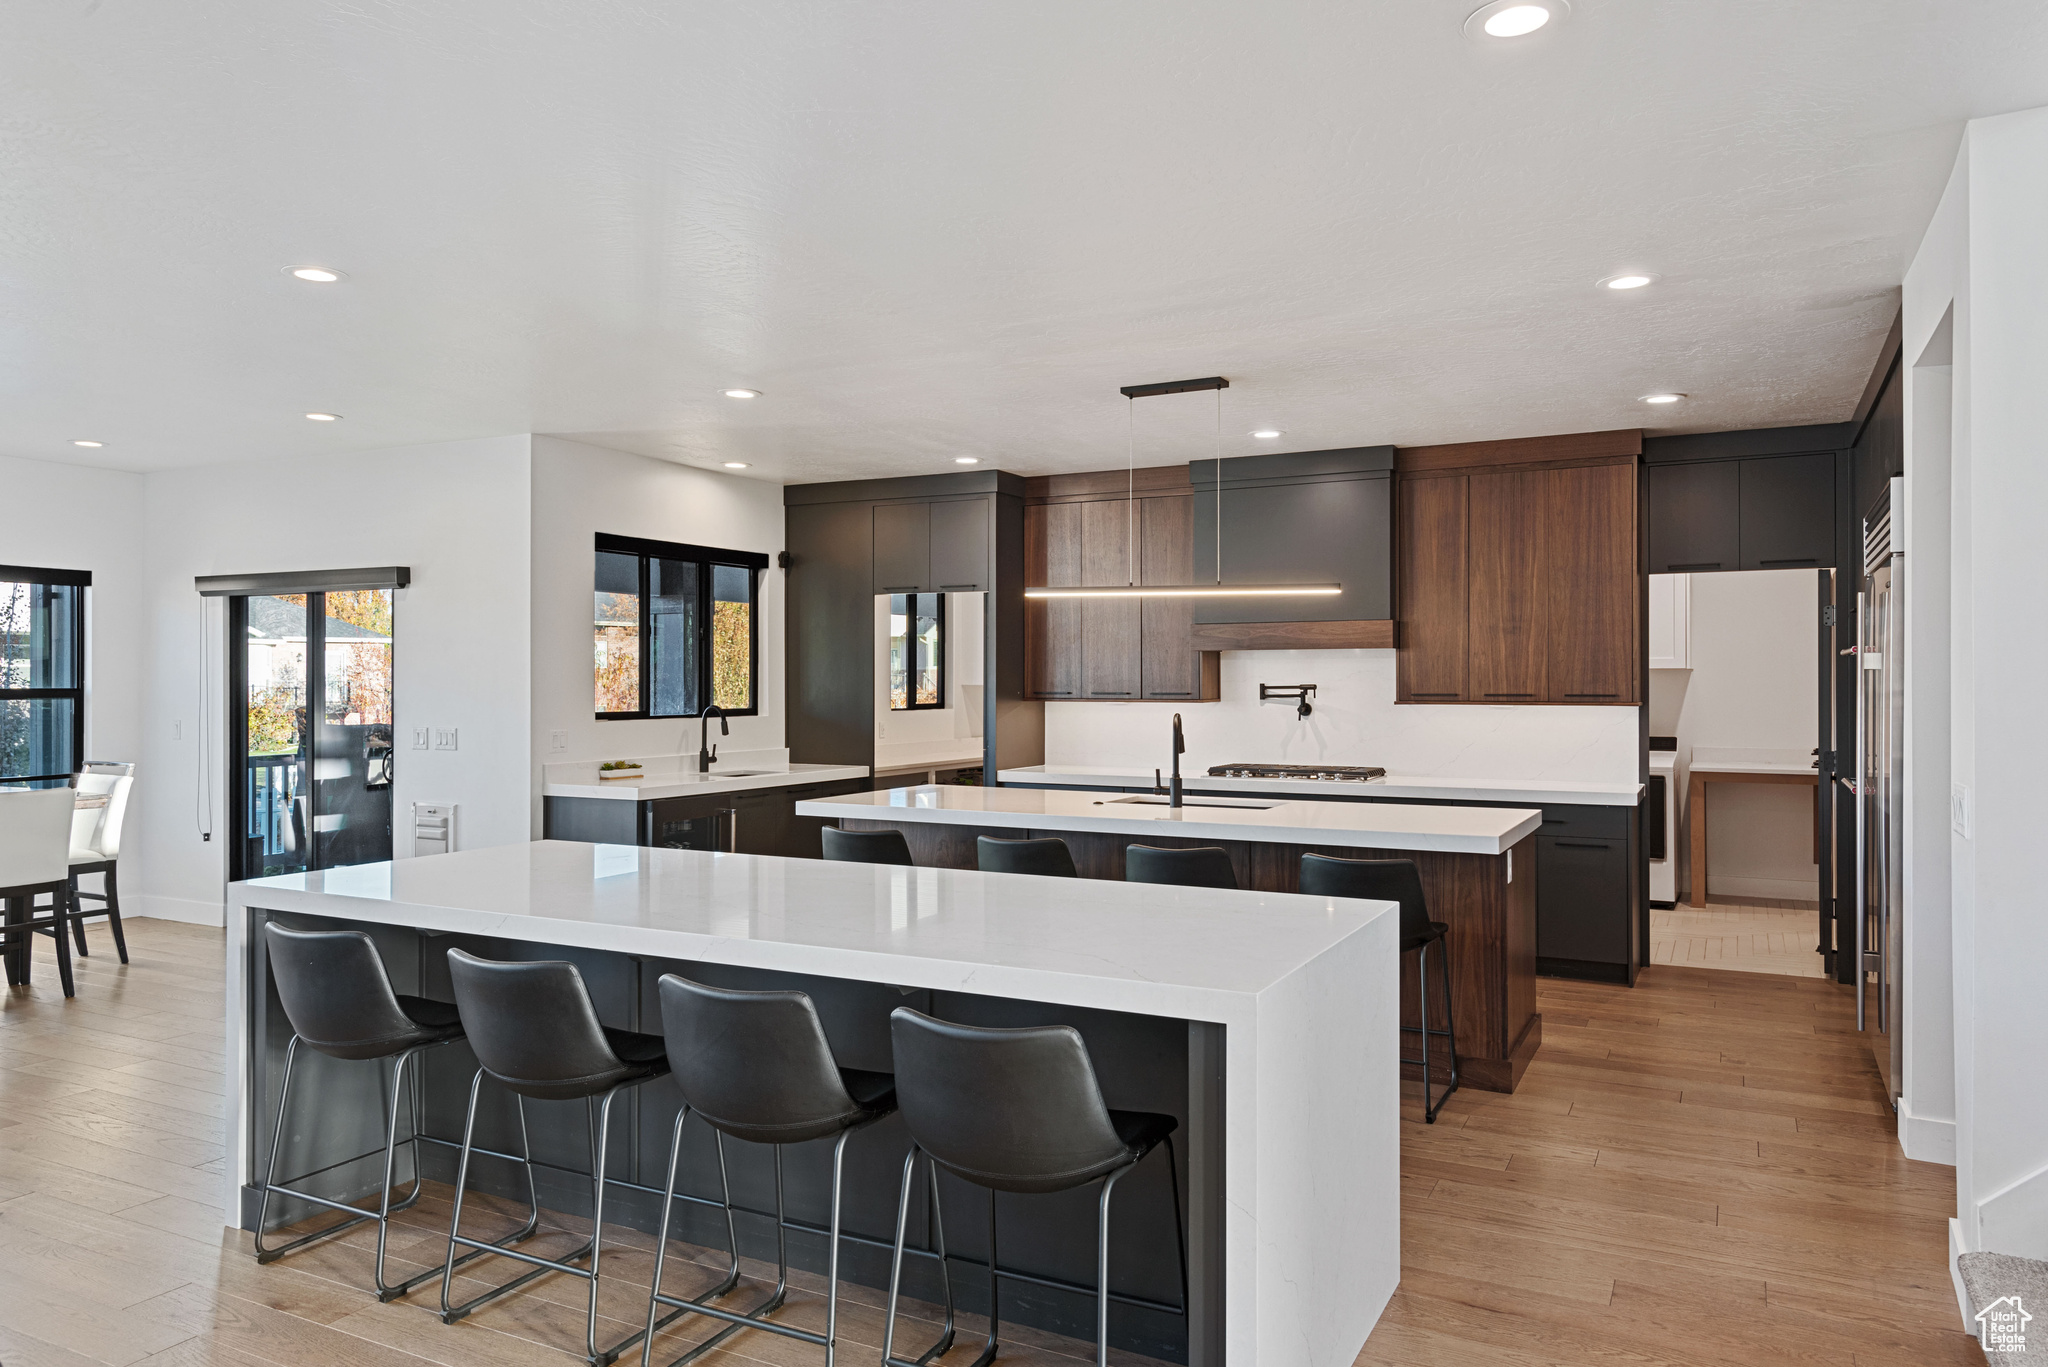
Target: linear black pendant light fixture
column 1133, row 589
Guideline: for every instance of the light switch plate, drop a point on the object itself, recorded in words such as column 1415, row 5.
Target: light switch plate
column 419, row 738
column 1959, row 811
column 444, row 738
column 558, row 741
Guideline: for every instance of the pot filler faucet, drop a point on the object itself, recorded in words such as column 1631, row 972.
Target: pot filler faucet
column 1180, row 746
column 707, row 754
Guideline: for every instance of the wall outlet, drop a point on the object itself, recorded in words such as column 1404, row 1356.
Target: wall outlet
column 1959, row 814
column 444, row 738
column 419, row 738
column 558, row 741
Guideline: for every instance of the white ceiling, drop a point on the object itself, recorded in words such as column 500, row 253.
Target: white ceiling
column 933, row 229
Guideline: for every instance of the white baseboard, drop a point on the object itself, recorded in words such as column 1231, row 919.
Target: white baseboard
column 185, row 909
column 1793, row 889
column 1955, row 1276
column 1926, row 1139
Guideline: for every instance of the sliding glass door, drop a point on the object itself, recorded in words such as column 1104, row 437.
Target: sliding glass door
column 312, row 742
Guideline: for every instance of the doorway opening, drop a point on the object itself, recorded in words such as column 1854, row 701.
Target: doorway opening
column 310, row 735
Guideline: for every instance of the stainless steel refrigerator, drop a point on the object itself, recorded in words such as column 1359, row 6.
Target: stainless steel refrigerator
column 1879, row 783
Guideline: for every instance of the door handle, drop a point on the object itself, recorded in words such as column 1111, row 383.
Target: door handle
column 1685, row 569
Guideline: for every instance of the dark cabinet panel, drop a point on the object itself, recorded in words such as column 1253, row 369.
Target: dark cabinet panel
column 1052, row 626
column 1292, row 533
column 1589, row 517
column 1788, row 506
column 1169, row 666
column 1431, row 582
column 1695, row 517
column 1508, row 652
column 959, row 541
column 903, row 547
column 1109, row 626
column 1582, row 899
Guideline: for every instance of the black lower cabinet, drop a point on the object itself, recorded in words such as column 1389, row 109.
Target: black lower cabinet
column 1583, row 929
column 758, row 821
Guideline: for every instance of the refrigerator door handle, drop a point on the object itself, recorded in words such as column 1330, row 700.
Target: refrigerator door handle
column 1861, row 914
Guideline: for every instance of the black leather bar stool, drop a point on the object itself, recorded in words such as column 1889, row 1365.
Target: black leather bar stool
column 756, row 1066
column 1016, row 1110
column 865, row 847
column 339, row 1000
column 1396, row 880
column 1205, row 866
column 536, row 1034
column 1049, row 857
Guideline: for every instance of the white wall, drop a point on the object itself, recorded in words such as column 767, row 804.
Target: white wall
column 1355, row 722
column 1982, row 259
column 581, row 490
column 1754, row 684
column 457, row 514
column 74, row 517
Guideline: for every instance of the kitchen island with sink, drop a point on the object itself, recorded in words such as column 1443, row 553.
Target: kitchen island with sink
column 1478, row 867
column 1264, row 1024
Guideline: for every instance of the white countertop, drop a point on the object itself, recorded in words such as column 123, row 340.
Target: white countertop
column 1723, row 760
column 1191, row 953
column 1365, row 825
column 1509, row 790
column 677, row 776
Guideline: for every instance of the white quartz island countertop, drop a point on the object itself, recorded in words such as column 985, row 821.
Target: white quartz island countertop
column 679, row 778
column 1305, row 990
column 1507, row 791
column 1364, row 825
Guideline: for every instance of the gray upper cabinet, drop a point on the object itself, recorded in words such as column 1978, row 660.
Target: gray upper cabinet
column 903, row 547
column 1763, row 513
column 1695, row 517
column 1788, row 505
column 1299, row 517
column 959, row 541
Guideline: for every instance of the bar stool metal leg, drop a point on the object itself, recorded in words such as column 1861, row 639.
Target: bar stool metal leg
column 1449, row 1033
column 945, row 1342
column 655, row 1299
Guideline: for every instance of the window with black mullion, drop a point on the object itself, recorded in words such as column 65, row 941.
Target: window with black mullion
column 42, row 675
column 674, row 628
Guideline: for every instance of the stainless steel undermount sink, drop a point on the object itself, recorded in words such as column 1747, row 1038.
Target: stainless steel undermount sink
column 1156, row 801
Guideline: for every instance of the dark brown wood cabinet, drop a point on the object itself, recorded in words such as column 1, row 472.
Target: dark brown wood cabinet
column 1109, row 626
column 1519, row 585
column 1077, row 530
column 1504, row 567
column 1429, row 570
column 1052, row 626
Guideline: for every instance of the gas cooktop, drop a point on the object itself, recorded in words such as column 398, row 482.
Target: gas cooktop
column 1329, row 773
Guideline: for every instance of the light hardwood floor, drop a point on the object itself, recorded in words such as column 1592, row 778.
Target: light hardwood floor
column 1695, row 1172
column 1743, row 936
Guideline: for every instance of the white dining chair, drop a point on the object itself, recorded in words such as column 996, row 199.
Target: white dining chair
column 100, row 852
column 35, row 846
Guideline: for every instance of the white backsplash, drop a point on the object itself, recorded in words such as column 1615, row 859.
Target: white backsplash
column 1355, row 722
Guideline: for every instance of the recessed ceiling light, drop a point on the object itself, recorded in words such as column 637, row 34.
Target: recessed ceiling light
column 742, row 393
column 1630, row 280
column 735, row 465
column 1662, row 398
column 967, row 460
column 83, row 442
column 1267, row 433
column 315, row 275
column 1515, row 18
column 323, row 417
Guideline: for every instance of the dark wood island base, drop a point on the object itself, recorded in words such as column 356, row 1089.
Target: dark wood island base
column 1488, row 901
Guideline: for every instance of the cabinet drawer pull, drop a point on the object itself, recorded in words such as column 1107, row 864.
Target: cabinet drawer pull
column 1507, row 695
column 901, row 588
column 1100, row 693
column 1155, row 693
column 1438, row 695
column 1592, row 695
column 1055, row 693
column 958, row 588
column 1788, row 564
column 1581, row 845
column 1701, row 565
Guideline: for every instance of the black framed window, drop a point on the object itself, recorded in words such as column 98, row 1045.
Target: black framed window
column 42, row 675
column 917, row 651
column 675, row 628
